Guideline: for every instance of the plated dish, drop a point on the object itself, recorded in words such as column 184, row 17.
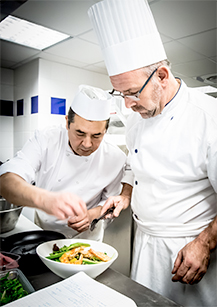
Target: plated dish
column 65, row 269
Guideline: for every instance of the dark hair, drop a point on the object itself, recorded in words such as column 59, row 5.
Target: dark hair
column 71, row 116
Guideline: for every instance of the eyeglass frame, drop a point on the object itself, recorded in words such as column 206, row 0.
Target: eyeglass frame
column 138, row 93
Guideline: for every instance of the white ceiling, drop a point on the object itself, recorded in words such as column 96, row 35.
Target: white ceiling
column 188, row 30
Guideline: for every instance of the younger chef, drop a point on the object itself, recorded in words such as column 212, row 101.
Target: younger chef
column 172, row 142
column 74, row 169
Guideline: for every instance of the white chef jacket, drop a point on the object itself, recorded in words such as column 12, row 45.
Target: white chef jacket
column 48, row 160
column 173, row 160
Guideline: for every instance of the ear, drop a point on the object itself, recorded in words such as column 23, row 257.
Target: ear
column 66, row 118
column 163, row 75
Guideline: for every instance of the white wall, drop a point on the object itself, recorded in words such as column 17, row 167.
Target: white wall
column 26, row 80
column 6, row 122
column 62, row 81
column 44, row 79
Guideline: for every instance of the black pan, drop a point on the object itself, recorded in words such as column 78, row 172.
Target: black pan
column 24, row 244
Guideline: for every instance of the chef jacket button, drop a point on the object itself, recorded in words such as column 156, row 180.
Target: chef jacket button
column 136, row 150
column 136, row 182
column 67, row 154
column 86, row 160
column 59, row 180
column 77, row 182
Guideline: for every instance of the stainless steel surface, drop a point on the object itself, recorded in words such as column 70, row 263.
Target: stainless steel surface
column 142, row 296
column 9, row 215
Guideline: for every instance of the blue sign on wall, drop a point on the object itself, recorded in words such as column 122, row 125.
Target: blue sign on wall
column 58, row 106
column 34, row 104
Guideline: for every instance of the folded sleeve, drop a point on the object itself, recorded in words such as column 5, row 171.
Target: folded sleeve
column 128, row 176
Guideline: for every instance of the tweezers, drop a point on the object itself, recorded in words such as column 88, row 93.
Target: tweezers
column 93, row 224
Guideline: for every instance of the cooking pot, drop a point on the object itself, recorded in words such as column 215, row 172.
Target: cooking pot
column 9, row 215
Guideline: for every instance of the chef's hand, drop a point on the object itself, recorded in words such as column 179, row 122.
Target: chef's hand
column 119, row 202
column 80, row 223
column 62, row 205
column 192, row 262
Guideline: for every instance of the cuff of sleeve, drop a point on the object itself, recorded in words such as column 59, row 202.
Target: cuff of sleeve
column 128, row 178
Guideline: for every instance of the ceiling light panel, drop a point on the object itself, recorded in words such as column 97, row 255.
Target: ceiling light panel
column 26, row 33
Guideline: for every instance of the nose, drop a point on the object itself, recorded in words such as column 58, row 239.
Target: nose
column 129, row 102
column 87, row 143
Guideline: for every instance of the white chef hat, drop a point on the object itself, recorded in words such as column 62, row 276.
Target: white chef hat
column 127, row 34
column 92, row 103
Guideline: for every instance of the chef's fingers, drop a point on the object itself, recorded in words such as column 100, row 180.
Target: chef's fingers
column 114, row 201
column 117, row 210
column 74, row 220
column 83, row 228
column 177, row 262
column 79, row 221
column 181, row 272
column 66, row 210
column 80, row 226
column 76, row 208
column 189, row 276
column 192, row 276
column 195, row 274
column 77, row 205
column 197, row 278
column 108, row 204
column 63, row 204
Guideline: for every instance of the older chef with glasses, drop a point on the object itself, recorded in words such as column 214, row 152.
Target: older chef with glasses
column 171, row 177
column 75, row 169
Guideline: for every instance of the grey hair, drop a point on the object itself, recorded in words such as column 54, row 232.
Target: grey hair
column 71, row 118
column 149, row 69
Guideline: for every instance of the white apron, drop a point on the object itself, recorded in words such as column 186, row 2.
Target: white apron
column 174, row 162
column 153, row 261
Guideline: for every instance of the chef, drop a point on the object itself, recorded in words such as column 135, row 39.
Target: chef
column 74, row 169
column 171, row 178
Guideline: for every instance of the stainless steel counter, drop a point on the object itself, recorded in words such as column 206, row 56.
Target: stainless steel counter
column 142, row 296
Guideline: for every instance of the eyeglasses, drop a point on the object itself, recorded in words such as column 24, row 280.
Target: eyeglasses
column 136, row 95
